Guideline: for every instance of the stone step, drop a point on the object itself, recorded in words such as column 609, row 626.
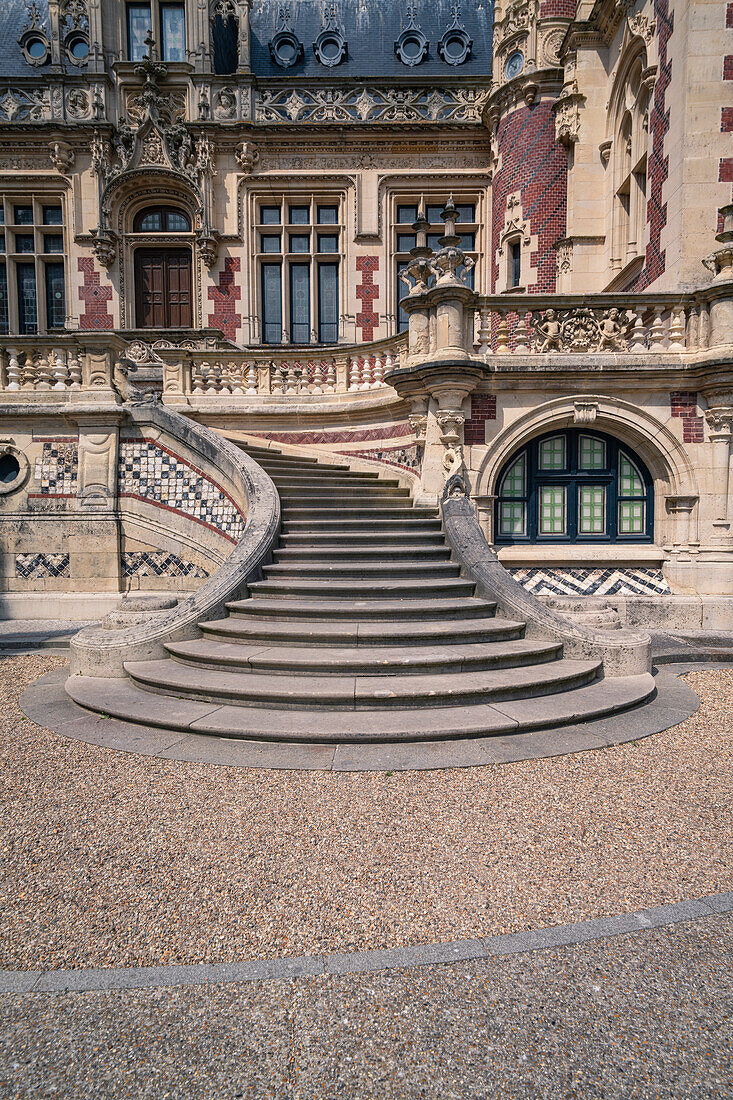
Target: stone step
column 345, row 524
column 318, row 498
column 352, row 632
column 439, row 607
column 423, row 588
column 334, row 481
column 124, row 700
column 364, row 660
column 359, row 539
column 347, row 692
column 365, row 513
column 409, row 552
column 314, row 470
column 366, row 570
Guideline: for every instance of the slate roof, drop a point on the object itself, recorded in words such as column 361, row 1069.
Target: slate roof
column 13, row 20
column 371, row 28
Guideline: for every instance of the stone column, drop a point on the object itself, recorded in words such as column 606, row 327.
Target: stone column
column 720, row 424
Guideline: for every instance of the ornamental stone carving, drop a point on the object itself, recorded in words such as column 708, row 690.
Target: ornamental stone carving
column 309, row 103
column 641, row 26
column 564, row 256
column 225, row 104
column 247, row 157
column 581, row 330
column 720, row 421
column 551, row 46
column 25, row 105
column 567, row 113
column 61, row 156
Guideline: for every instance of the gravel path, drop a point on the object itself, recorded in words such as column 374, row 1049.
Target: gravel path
column 644, row 1015
column 111, row 859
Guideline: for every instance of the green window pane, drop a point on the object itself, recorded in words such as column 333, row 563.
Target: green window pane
column 631, row 517
column 513, row 518
column 630, row 483
column 592, row 453
column 552, row 510
column 592, row 510
column 552, row 453
column 514, row 479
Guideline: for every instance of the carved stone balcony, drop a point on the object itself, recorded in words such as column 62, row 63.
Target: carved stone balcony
column 604, row 324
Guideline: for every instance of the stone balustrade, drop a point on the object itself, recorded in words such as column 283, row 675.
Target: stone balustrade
column 57, row 366
column 40, row 369
column 594, row 323
column 252, row 374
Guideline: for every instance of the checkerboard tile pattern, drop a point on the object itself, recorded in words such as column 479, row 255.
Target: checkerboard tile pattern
column 57, row 469
column 406, row 458
column 592, row 582
column 150, row 472
column 41, row 566
column 157, row 563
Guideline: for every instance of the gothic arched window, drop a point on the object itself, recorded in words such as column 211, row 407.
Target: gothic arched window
column 574, row 486
column 161, row 219
column 225, row 36
column 629, row 133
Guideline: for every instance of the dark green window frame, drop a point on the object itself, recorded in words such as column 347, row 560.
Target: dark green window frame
column 520, row 499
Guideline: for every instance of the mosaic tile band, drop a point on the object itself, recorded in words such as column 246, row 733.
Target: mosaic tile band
column 158, row 563
column 405, row 458
column 592, row 582
column 150, row 472
column 57, row 469
column 41, row 566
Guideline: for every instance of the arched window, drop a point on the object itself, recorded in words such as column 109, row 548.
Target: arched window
column 630, row 133
column 161, row 219
column 225, row 36
column 574, row 486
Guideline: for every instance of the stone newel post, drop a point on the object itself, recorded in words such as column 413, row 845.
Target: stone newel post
column 440, row 370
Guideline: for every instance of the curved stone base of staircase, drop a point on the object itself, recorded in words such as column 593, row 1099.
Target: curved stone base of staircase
column 363, row 630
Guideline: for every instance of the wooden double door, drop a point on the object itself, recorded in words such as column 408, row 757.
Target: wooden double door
column 163, row 290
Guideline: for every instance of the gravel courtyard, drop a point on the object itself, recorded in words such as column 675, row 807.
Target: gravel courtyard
column 113, row 859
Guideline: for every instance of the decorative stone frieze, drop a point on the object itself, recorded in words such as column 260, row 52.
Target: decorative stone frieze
column 25, row 105
column 581, row 330
column 368, row 104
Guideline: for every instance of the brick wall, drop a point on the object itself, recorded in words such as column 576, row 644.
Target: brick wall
column 564, row 9
column 535, row 164
column 658, row 163
column 95, row 296
column 725, row 170
column 483, row 408
column 367, row 292
column 225, row 294
column 684, row 406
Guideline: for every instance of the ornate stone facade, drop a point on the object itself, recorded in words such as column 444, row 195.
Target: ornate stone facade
column 289, row 231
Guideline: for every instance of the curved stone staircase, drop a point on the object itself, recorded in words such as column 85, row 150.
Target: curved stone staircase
column 362, row 630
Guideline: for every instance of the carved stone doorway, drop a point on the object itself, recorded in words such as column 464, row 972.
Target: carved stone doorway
column 163, row 288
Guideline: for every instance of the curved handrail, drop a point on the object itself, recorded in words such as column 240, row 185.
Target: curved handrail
column 101, row 651
column 624, row 653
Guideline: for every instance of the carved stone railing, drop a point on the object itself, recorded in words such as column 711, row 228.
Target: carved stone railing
column 540, row 324
column 531, row 325
column 279, row 372
column 57, row 366
column 103, row 650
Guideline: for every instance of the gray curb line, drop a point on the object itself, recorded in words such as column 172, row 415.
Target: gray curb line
column 515, row 943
